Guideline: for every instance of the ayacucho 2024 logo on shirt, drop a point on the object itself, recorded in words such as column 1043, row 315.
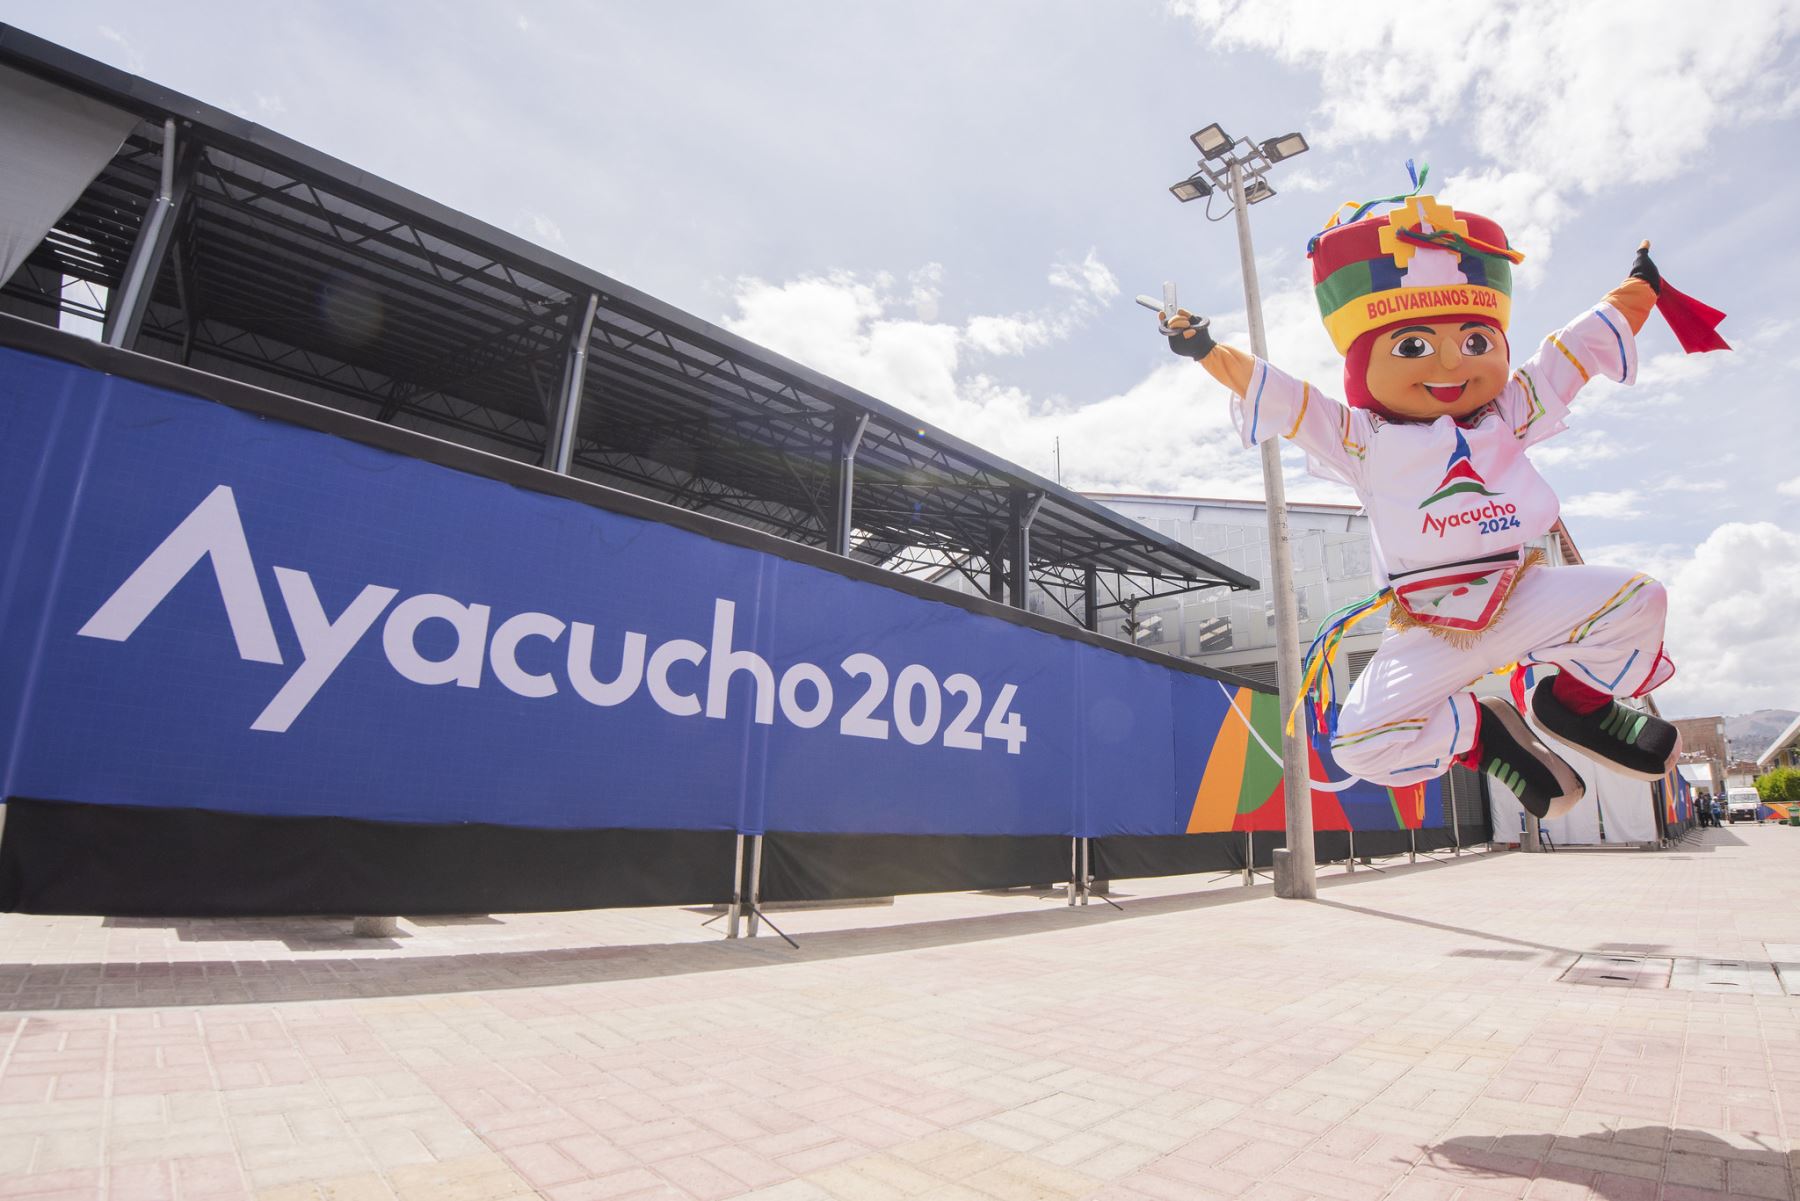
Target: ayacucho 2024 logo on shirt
column 1460, row 479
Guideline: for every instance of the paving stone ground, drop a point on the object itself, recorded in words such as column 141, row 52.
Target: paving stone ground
column 1408, row 1036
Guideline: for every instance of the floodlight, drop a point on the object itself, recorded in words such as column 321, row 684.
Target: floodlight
column 1258, row 191
column 1284, row 147
column 1191, row 188
column 1211, row 141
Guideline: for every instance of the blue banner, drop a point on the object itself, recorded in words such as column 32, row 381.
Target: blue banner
column 204, row 608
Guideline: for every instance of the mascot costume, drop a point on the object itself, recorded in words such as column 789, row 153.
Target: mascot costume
column 1433, row 442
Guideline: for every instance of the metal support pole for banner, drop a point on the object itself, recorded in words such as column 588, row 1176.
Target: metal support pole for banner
column 755, row 880
column 1087, row 876
column 756, row 914
column 1025, row 507
column 1412, row 853
column 1353, row 860
column 848, row 436
column 1455, row 822
column 560, row 451
column 125, row 311
column 1249, row 858
column 1074, row 869
column 737, row 889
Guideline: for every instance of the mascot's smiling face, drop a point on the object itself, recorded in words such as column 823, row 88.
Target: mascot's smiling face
column 1417, row 301
column 1421, row 371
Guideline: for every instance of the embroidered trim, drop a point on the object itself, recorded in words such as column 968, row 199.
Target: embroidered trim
column 1536, row 405
column 1400, row 620
column 1569, row 355
column 1626, row 591
column 1256, row 404
column 1402, row 726
column 1651, row 682
column 1305, row 400
column 1356, row 448
column 1624, row 366
column 1606, row 685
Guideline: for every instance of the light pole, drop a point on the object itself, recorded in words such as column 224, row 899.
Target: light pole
column 1240, row 168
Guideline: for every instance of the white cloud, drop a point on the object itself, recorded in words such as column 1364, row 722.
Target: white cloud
column 1527, row 206
column 1573, row 98
column 1789, row 487
column 927, row 286
column 1731, row 629
column 539, row 229
column 1090, row 276
column 134, row 61
column 1008, row 335
column 1615, row 505
column 1581, row 447
column 1169, row 432
column 1085, row 286
column 1659, row 559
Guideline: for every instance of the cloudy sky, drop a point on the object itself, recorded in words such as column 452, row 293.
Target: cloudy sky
column 950, row 205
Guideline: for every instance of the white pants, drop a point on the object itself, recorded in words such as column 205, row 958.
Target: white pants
column 1412, row 711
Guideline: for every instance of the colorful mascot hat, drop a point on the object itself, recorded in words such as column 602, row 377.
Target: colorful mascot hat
column 1421, row 262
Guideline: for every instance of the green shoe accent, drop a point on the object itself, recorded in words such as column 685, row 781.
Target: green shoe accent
column 1623, row 724
column 1505, row 774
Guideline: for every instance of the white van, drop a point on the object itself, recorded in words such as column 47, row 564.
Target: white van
column 1742, row 804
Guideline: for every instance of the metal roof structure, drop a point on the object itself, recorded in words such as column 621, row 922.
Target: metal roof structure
column 213, row 242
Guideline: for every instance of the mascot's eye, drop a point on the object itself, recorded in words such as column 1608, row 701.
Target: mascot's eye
column 1476, row 344
column 1413, row 347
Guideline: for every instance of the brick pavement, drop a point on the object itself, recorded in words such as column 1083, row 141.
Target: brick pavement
column 1406, row 1037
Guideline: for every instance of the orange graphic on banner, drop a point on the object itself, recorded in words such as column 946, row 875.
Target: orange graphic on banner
column 1216, row 800
column 1409, row 806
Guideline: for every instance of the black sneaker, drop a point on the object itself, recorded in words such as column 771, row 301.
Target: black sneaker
column 1545, row 785
column 1637, row 744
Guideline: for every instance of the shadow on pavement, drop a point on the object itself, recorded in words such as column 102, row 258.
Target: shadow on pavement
column 246, row 980
column 1627, row 1164
column 1705, row 841
column 1449, row 929
column 319, row 976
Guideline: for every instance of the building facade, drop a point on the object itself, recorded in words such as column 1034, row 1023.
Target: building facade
column 1783, row 752
column 1703, row 741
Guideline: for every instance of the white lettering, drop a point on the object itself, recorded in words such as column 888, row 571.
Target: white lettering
column 676, row 650
column 323, row 643
column 727, row 663
column 463, row 666
column 917, row 678
column 791, row 679
column 212, row 531
column 504, row 653
column 581, row 667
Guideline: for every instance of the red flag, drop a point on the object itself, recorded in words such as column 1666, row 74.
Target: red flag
column 1695, row 323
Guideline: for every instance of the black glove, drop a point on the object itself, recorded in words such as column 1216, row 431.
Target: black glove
column 1642, row 268
column 1188, row 335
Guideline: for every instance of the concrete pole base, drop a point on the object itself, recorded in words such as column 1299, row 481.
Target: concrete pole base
column 375, row 927
column 1288, row 883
